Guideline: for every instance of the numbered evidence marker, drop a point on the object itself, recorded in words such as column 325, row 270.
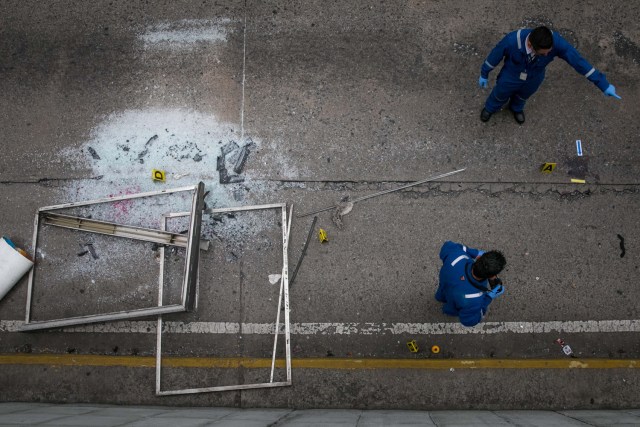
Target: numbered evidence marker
column 579, row 147
column 547, row 167
column 413, row 346
column 158, row 175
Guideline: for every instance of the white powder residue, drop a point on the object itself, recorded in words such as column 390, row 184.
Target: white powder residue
column 125, row 147
column 185, row 33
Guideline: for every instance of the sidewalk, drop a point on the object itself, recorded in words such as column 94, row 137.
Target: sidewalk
column 38, row 414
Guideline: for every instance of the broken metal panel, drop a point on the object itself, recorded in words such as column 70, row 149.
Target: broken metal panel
column 285, row 284
column 193, row 252
column 286, row 228
column 188, row 284
column 277, row 329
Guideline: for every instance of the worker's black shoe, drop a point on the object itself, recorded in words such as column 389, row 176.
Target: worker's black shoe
column 519, row 116
column 485, row 115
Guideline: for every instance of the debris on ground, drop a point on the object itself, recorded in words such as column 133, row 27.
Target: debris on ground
column 565, row 347
column 93, row 153
column 274, row 278
column 413, row 346
column 237, row 157
column 322, row 236
column 92, row 250
column 343, row 208
column 621, row 246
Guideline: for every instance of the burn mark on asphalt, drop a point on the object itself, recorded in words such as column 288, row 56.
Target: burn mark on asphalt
column 626, row 48
column 621, row 246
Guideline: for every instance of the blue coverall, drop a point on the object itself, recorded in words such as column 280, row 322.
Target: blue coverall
column 520, row 76
column 456, row 288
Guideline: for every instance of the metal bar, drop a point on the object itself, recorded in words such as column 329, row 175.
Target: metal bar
column 304, row 251
column 117, row 198
column 224, row 388
column 193, row 254
column 113, row 229
column 32, row 270
column 95, row 318
column 245, row 208
column 433, row 178
column 163, row 227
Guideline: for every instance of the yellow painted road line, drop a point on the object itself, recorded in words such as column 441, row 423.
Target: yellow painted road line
column 315, row 363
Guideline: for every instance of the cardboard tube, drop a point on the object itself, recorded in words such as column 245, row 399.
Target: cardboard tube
column 13, row 266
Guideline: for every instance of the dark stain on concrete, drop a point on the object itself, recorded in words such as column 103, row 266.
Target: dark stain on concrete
column 577, row 167
column 626, row 48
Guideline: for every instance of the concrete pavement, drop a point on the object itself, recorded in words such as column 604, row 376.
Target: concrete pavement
column 335, row 100
column 18, row 414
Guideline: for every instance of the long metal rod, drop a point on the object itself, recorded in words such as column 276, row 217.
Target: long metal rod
column 433, row 178
column 32, row 270
column 245, row 208
column 118, row 198
column 106, row 317
column 193, row 253
column 304, row 251
column 223, row 388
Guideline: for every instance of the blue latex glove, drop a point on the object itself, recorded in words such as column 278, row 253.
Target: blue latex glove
column 611, row 91
column 480, row 253
column 496, row 292
column 484, row 83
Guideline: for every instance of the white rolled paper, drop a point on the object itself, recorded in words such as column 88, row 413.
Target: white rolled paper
column 12, row 267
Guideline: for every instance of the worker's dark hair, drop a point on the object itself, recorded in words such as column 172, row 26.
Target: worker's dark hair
column 541, row 38
column 489, row 264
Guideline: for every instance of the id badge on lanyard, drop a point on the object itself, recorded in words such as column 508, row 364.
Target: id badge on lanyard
column 523, row 75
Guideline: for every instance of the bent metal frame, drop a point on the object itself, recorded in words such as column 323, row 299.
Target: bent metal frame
column 284, row 289
column 192, row 244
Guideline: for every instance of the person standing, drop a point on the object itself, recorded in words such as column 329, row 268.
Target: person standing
column 526, row 54
column 465, row 277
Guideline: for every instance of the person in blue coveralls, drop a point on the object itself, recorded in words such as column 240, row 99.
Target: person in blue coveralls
column 526, row 53
column 469, row 281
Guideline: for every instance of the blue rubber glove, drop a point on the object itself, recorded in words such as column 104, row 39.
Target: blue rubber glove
column 480, row 253
column 496, row 292
column 611, row 91
column 484, row 83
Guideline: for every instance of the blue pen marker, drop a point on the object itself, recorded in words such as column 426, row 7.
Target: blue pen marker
column 579, row 147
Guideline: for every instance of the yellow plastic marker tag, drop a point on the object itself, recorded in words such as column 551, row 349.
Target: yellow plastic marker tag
column 578, row 181
column 322, row 236
column 435, row 349
column 547, row 167
column 158, row 175
column 413, row 346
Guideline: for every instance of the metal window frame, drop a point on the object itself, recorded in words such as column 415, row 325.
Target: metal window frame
column 191, row 264
column 284, row 290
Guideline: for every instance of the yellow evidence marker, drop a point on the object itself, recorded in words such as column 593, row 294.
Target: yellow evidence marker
column 158, row 175
column 413, row 346
column 322, row 236
column 435, row 349
column 547, row 167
